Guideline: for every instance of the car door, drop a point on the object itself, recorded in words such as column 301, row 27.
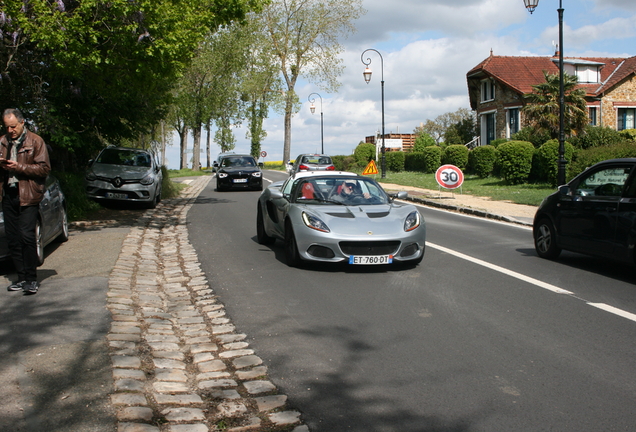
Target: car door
column 626, row 221
column 587, row 218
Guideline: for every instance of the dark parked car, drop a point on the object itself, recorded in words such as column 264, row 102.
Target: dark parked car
column 594, row 214
column 125, row 175
column 52, row 223
column 240, row 172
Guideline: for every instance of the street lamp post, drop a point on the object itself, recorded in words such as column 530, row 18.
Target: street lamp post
column 531, row 5
column 313, row 110
column 367, row 78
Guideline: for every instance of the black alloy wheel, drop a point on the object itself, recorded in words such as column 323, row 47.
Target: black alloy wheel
column 545, row 239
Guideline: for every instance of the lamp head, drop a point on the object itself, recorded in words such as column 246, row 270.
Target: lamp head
column 531, row 5
column 312, row 108
column 367, row 75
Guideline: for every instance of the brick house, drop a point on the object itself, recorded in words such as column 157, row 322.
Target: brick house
column 497, row 85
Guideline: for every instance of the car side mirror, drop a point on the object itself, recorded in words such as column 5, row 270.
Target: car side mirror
column 276, row 193
column 90, row 162
column 564, row 190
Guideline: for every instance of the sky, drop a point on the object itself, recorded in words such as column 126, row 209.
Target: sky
column 427, row 47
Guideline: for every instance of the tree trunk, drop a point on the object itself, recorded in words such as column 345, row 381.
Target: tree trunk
column 196, row 148
column 208, row 126
column 183, row 142
column 289, row 105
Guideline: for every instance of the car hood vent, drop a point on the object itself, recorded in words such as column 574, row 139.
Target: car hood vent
column 378, row 214
column 347, row 215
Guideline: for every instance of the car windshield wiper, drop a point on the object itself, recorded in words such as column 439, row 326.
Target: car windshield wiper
column 330, row 201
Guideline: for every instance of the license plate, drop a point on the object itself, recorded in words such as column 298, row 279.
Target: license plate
column 116, row 195
column 240, row 180
column 369, row 260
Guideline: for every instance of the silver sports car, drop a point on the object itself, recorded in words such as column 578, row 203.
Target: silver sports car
column 339, row 217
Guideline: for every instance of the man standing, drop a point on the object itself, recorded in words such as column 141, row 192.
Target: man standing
column 24, row 165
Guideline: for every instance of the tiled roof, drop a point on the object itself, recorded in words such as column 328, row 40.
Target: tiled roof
column 521, row 73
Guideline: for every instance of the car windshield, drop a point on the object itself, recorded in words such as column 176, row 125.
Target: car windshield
column 238, row 161
column 352, row 191
column 124, row 157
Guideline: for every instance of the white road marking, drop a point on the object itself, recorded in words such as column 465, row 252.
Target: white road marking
column 505, row 271
column 550, row 287
column 615, row 311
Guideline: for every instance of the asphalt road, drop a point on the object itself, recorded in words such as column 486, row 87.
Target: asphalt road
column 482, row 336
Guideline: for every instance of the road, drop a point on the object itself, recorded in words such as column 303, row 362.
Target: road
column 482, row 336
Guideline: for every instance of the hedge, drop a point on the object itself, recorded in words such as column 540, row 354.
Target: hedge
column 481, row 160
column 545, row 163
column 394, row 161
column 514, row 160
column 456, row 154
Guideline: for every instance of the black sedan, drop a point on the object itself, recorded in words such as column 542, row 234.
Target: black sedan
column 594, row 214
column 238, row 172
column 52, row 223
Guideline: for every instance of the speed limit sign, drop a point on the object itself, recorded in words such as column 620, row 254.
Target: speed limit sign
column 263, row 154
column 449, row 176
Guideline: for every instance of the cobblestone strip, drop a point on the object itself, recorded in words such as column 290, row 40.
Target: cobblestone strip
column 179, row 365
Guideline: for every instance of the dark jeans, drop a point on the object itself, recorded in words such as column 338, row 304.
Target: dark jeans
column 19, row 227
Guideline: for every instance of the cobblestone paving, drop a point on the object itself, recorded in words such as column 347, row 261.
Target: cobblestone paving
column 179, row 364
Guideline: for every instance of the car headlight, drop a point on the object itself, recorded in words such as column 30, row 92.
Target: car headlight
column 221, row 175
column 148, row 180
column 90, row 176
column 256, row 174
column 314, row 222
column 412, row 221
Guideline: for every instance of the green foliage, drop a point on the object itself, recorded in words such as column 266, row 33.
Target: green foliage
column 364, row 153
column 74, row 187
column 423, row 140
column 432, row 159
column 514, row 159
column 545, row 163
column 481, row 160
column 629, row 134
column 415, row 161
column 95, row 71
column 457, row 155
column 394, row 161
column 495, row 143
column 344, row 163
column 530, row 134
column 586, row 158
column 596, row 136
column 543, row 108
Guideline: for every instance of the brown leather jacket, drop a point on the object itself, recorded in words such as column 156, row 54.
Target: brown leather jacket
column 34, row 166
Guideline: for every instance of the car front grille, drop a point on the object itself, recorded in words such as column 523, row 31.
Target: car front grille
column 369, row 247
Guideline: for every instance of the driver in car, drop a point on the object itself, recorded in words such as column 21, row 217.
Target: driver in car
column 351, row 192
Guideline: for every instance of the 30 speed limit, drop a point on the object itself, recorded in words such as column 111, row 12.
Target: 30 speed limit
column 449, row 176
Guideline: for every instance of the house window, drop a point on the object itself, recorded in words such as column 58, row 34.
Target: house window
column 626, row 118
column 487, row 90
column 587, row 74
column 592, row 113
column 513, row 121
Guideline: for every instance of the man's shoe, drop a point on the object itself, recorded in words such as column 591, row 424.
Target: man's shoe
column 30, row 287
column 16, row 286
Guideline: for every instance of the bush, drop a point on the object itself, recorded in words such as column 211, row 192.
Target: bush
column 514, row 159
column 596, row 136
column 530, row 135
column 545, row 163
column 586, row 158
column 629, row 134
column 394, row 161
column 343, row 163
column 457, row 155
column 415, row 161
column 432, row 159
column 496, row 143
column 364, row 153
column 481, row 160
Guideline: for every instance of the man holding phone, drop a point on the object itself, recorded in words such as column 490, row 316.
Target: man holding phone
column 24, row 166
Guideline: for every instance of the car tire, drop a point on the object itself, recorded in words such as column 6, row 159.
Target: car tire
column 545, row 239
column 291, row 248
column 219, row 188
column 39, row 244
column 63, row 237
column 156, row 200
column 261, row 235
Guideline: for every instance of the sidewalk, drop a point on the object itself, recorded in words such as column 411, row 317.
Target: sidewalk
column 469, row 204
